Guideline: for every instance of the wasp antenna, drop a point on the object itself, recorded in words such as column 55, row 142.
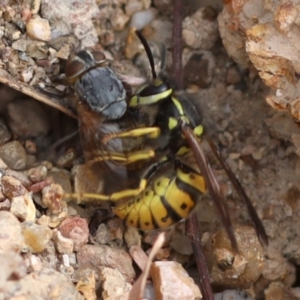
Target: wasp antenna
column 148, row 51
column 256, row 222
column 213, row 186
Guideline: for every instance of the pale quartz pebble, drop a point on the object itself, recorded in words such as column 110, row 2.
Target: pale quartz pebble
column 36, row 236
column 172, row 282
column 62, row 244
column 38, row 29
column 23, row 207
column 26, row 75
column 11, row 238
column 142, row 18
column 52, row 198
column 114, row 284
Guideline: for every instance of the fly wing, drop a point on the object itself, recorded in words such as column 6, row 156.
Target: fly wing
column 99, row 156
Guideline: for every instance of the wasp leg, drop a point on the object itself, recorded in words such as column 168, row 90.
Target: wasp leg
column 150, row 132
column 122, row 194
column 126, row 158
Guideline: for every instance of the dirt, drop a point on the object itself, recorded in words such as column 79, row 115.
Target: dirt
column 258, row 142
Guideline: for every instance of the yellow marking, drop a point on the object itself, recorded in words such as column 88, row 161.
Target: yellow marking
column 112, row 197
column 172, row 123
column 193, row 179
column 178, row 105
column 183, row 150
column 126, row 158
column 134, row 101
column 198, row 130
column 160, row 213
column 176, row 197
column 151, row 132
column 148, row 100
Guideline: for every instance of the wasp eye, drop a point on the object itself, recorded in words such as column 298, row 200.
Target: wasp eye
column 74, row 68
column 98, row 56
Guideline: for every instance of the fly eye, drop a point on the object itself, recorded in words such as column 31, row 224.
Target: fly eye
column 98, row 56
column 74, row 68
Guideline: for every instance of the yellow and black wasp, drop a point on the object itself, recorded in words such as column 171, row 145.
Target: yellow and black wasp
column 130, row 144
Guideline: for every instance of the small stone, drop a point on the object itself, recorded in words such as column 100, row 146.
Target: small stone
column 19, row 175
column 116, row 229
column 12, row 187
column 52, row 198
column 23, row 208
column 97, row 257
column 142, row 18
column 28, row 118
column 200, row 30
column 63, row 52
column 231, row 270
column 30, row 147
column 43, row 220
column 37, row 174
column 87, row 284
column 132, row 237
column 102, row 235
column 134, row 6
column 43, row 284
column 62, row 244
column 114, row 284
column 171, row 281
column 12, row 266
column 63, row 178
column 26, row 75
column 36, row 236
column 20, row 45
column 14, row 155
column 75, row 229
column 35, row 263
column 38, row 29
column 119, row 19
column 11, row 238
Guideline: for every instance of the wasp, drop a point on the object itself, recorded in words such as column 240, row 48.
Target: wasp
column 163, row 196
column 169, row 198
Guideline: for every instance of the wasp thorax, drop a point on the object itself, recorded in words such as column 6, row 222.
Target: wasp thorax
column 154, row 89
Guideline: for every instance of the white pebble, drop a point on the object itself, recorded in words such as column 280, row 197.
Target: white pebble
column 142, row 18
column 39, row 29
